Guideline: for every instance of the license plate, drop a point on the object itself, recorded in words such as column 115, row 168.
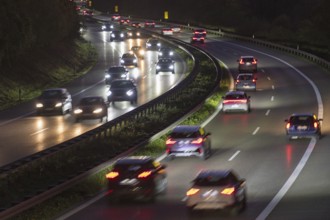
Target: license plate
column 302, row 127
column 129, row 182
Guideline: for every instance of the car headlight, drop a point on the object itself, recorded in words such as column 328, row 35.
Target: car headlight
column 141, row 52
column 130, row 92
column 138, row 33
column 160, row 54
column 39, row 105
column 77, row 111
column 148, row 44
column 122, row 61
column 121, row 35
column 112, row 35
column 98, row 110
column 171, row 53
column 123, row 75
column 111, row 26
column 171, row 67
column 130, row 34
column 109, row 93
column 59, row 104
column 103, row 27
column 134, row 61
column 158, row 67
column 158, row 44
column 107, row 76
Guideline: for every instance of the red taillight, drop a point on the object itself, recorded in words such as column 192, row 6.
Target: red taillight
column 235, row 101
column 228, row 191
column 144, row 174
column 197, row 141
column 237, row 81
column 192, row 191
column 288, row 125
column 315, row 125
column 254, row 61
column 254, row 80
column 112, row 175
column 241, row 61
column 170, row 141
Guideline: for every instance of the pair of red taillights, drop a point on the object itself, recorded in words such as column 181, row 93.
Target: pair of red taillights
column 235, row 101
column 225, row 191
column 253, row 80
column 171, row 141
column 288, row 125
column 114, row 174
column 253, row 62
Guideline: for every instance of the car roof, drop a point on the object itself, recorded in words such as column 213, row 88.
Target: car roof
column 245, row 74
column 217, row 173
column 134, row 160
column 186, row 128
column 303, row 114
column 247, row 57
column 235, row 92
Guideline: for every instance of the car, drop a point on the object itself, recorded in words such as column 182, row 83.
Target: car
column 117, row 35
column 176, row 29
column 129, row 59
column 91, row 107
column 124, row 21
column 153, row 44
column 133, row 34
column 246, row 81
column 197, row 38
column 56, row 100
column 217, row 189
column 115, row 17
column 167, row 31
column 247, row 64
column 303, row 125
column 236, row 101
column 122, row 90
column 165, row 52
column 87, row 12
column 165, row 65
column 151, row 24
column 136, row 24
column 107, row 26
column 187, row 141
column 137, row 177
column 115, row 72
column 138, row 51
column 201, row 31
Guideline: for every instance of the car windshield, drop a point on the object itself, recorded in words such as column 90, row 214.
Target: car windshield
column 301, row 120
column 164, row 61
column 128, row 167
column 211, row 180
column 128, row 55
column 90, row 101
column 183, row 134
column 51, row 94
column 121, row 84
column 249, row 59
column 245, row 77
column 235, row 96
column 116, row 70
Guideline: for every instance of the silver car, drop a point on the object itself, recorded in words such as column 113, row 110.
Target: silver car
column 188, row 140
column 216, row 189
column 246, row 81
column 247, row 64
column 236, row 101
column 129, row 59
column 54, row 100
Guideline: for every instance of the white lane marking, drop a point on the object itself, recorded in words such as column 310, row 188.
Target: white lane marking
column 262, row 70
column 267, row 112
column 268, row 78
column 264, row 214
column 255, row 131
column 272, row 98
column 184, row 199
column 235, row 154
column 273, row 87
column 37, row 132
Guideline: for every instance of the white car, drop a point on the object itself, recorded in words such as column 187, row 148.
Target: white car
column 235, row 101
column 129, row 59
column 167, row 31
column 176, row 29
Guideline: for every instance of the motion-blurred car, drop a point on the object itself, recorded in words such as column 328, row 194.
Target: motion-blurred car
column 136, row 24
column 236, row 101
column 138, row 51
column 115, row 17
column 165, row 52
column 138, row 177
column 124, row 21
column 167, row 31
column 201, row 31
column 107, row 26
column 217, row 189
column 188, row 140
column 176, row 29
column 151, row 24
column 303, row 125
column 153, row 44
column 91, row 107
column 122, row 90
column 129, row 59
column 197, row 38
column 246, row 81
column 133, row 34
column 247, row 64
column 88, row 12
column 115, row 72
column 165, row 65
column 56, row 100
column 117, row 35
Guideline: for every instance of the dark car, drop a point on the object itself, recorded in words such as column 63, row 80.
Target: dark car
column 133, row 34
column 165, row 52
column 138, row 177
column 200, row 31
column 115, row 17
column 124, row 21
column 117, row 35
column 136, row 24
column 217, row 189
column 138, row 51
column 151, row 24
column 234, row 101
column 153, row 44
column 165, row 65
column 303, row 125
column 246, row 81
column 247, row 64
column 188, row 140
column 200, row 38
column 56, row 100
column 129, row 59
column 122, row 90
column 115, row 72
column 107, row 26
column 91, row 107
